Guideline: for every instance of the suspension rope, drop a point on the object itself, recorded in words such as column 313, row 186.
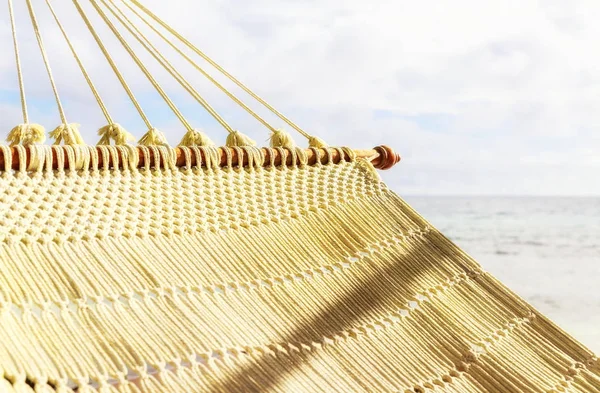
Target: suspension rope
column 18, row 60
column 192, row 62
column 108, row 10
column 140, row 64
column 81, row 66
column 40, row 41
column 113, row 65
column 218, row 67
column 145, row 42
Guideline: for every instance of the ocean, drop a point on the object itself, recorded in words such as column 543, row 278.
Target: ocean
column 546, row 249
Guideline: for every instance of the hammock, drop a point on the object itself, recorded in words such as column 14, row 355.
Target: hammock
column 241, row 269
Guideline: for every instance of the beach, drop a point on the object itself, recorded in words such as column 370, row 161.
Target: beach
column 546, row 249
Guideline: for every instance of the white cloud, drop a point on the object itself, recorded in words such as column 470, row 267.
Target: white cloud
column 479, row 97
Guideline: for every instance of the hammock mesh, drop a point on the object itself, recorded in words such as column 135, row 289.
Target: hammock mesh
column 292, row 279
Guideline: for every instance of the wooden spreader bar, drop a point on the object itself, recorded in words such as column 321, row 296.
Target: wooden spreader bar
column 382, row 157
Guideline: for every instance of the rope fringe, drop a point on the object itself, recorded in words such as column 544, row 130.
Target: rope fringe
column 281, row 138
column 148, row 269
column 316, row 142
column 165, row 276
column 26, row 134
column 196, row 138
column 153, row 138
column 237, row 139
column 116, row 133
column 67, row 134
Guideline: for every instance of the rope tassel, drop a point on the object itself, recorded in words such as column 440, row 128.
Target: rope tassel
column 116, row 133
column 26, row 134
column 281, row 138
column 237, row 139
column 196, row 138
column 316, row 142
column 153, row 138
column 67, row 134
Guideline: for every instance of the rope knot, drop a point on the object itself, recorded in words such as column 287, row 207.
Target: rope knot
column 114, row 132
column 67, row 134
column 153, row 138
column 316, row 142
column 281, row 138
column 237, row 139
column 26, row 134
column 196, row 138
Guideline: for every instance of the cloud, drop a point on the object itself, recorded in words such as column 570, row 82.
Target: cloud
column 495, row 97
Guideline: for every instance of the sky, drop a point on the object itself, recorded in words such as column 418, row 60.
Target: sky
column 495, row 97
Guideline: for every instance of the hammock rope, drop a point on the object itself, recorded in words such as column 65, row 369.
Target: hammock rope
column 112, row 130
column 153, row 269
column 293, row 278
column 143, row 40
column 24, row 133
column 191, row 61
column 113, row 65
column 46, row 60
column 65, row 132
column 27, row 134
column 82, row 68
column 42, row 48
column 18, row 62
column 313, row 141
column 141, row 66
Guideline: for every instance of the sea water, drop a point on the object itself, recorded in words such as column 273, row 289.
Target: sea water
column 546, row 249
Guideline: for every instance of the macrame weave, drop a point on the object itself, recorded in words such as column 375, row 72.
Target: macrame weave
column 255, row 279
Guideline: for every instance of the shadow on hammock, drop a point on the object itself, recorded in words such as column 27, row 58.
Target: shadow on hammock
column 371, row 297
column 378, row 293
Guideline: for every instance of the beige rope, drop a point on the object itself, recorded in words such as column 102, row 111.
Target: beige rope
column 26, row 134
column 113, row 65
column 40, row 41
column 194, row 64
column 140, row 64
column 81, row 66
column 18, row 60
column 112, row 130
column 296, row 278
column 143, row 40
column 220, row 69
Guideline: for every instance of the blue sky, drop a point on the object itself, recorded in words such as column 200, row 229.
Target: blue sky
column 494, row 97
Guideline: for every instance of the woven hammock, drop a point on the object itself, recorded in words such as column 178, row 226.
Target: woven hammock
column 242, row 269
